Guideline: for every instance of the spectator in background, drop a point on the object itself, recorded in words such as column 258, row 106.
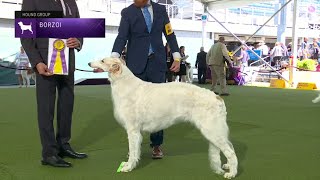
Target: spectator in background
column 243, row 58
column 305, row 48
column 21, row 62
column 215, row 60
column 264, row 48
column 316, row 40
column 183, row 68
column 201, row 64
column 300, row 52
column 251, row 46
column 315, row 51
column 169, row 74
column 289, row 48
column 277, row 53
column 304, row 44
column 285, row 51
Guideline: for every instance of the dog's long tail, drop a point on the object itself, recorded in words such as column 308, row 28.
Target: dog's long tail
column 317, row 99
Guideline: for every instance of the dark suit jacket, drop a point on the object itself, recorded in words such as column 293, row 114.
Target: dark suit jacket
column 133, row 32
column 201, row 60
column 37, row 49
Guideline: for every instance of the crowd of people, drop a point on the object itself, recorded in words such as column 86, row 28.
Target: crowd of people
column 280, row 51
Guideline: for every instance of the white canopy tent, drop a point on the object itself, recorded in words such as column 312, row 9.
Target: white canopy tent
column 211, row 5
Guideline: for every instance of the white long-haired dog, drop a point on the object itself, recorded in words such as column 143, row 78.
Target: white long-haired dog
column 26, row 76
column 189, row 73
column 317, row 99
column 148, row 107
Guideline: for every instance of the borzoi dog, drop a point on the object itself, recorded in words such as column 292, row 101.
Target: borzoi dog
column 27, row 75
column 148, row 107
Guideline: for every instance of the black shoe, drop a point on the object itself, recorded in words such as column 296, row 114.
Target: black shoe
column 55, row 161
column 71, row 154
column 225, row 94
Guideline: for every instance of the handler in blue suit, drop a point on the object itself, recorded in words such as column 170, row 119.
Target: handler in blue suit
column 141, row 28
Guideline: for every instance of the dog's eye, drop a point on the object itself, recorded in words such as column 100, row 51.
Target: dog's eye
column 102, row 61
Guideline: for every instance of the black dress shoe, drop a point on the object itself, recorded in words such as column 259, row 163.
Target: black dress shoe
column 71, row 154
column 55, row 161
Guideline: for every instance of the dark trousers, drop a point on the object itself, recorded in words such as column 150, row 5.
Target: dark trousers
column 276, row 61
column 46, row 96
column 153, row 74
column 169, row 76
column 202, row 72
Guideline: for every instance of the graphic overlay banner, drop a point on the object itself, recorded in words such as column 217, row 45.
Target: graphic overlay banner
column 58, row 56
column 59, row 27
column 38, row 14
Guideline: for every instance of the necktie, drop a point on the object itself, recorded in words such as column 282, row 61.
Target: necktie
column 147, row 18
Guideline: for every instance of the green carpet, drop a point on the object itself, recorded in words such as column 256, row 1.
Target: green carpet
column 275, row 134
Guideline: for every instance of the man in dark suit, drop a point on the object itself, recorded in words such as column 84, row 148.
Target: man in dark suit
column 201, row 64
column 54, row 148
column 141, row 28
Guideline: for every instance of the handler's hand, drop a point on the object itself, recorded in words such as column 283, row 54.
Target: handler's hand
column 98, row 70
column 43, row 69
column 73, row 43
column 175, row 66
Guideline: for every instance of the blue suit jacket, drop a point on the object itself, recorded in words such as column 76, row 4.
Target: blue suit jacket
column 133, row 32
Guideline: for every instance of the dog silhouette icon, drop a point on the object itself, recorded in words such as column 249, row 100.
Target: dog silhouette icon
column 25, row 27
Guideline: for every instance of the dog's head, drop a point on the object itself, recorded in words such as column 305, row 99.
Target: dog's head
column 20, row 23
column 111, row 65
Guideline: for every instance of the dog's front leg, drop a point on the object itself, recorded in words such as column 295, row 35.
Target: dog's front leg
column 135, row 139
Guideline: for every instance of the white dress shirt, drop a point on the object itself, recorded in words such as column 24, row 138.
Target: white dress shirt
column 265, row 49
column 176, row 55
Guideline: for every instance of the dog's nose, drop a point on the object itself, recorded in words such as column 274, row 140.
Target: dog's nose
column 89, row 64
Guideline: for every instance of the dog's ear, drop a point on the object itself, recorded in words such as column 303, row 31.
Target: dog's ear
column 116, row 68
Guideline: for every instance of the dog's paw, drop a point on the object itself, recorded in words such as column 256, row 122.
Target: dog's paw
column 226, row 166
column 229, row 175
column 127, row 167
column 219, row 172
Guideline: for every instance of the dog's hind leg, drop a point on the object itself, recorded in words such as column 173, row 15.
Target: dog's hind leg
column 215, row 160
column 217, row 135
column 227, row 165
column 224, row 145
column 135, row 139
